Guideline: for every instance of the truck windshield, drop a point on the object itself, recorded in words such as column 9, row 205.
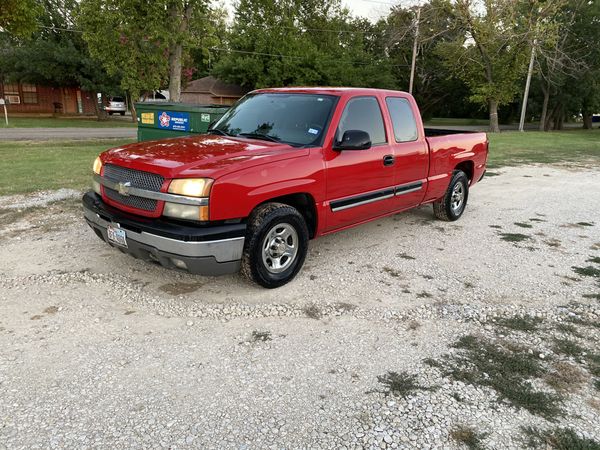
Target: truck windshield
column 294, row 119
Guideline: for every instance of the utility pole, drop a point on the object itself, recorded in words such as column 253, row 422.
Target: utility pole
column 414, row 54
column 527, row 83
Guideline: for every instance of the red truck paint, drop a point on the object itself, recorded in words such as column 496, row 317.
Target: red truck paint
column 250, row 172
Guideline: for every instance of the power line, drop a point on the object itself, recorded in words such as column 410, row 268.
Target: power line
column 61, row 29
column 247, row 52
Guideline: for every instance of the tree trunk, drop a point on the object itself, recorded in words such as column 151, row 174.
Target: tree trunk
column 100, row 113
column 494, row 126
column 175, row 54
column 587, row 120
column 132, row 108
column 551, row 118
column 544, row 109
column 180, row 20
column 559, row 117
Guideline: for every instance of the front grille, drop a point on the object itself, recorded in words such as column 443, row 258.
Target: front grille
column 137, row 178
column 133, row 201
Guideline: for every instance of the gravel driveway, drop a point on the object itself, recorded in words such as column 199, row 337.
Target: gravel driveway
column 402, row 333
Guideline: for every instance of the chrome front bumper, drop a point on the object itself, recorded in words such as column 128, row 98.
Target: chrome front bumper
column 206, row 256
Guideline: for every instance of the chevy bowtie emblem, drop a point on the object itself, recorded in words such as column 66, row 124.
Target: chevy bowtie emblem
column 123, row 188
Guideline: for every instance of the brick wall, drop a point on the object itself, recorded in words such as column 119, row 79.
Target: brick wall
column 36, row 99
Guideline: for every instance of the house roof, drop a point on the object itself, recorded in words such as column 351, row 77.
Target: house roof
column 215, row 87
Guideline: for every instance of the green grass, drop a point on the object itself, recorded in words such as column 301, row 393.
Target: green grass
column 513, row 148
column 400, row 384
column 557, row 439
column 588, row 271
column 506, row 369
column 35, row 166
column 62, row 122
column 521, row 323
column 261, row 336
column 568, row 348
column 514, row 237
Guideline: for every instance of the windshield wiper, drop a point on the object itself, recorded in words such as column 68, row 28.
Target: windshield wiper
column 217, row 131
column 264, row 137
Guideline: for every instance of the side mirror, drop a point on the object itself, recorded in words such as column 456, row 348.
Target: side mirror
column 354, row 140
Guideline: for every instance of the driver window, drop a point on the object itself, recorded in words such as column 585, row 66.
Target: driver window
column 363, row 113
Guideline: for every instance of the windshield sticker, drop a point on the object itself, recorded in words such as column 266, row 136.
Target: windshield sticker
column 319, row 99
column 313, row 131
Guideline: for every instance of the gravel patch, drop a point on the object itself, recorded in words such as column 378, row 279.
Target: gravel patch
column 37, row 199
column 100, row 350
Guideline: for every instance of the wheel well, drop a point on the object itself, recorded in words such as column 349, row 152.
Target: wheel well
column 467, row 167
column 305, row 204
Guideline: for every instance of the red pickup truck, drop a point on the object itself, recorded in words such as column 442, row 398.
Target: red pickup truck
column 282, row 166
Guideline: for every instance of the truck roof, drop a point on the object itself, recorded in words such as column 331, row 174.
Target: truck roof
column 329, row 90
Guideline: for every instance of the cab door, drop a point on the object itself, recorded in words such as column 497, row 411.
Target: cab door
column 360, row 183
column 411, row 153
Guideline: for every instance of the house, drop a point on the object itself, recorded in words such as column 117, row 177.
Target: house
column 34, row 99
column 211, row 91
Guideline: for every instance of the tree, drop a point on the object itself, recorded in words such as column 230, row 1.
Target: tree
column 144, row 43
column 567, row 65
column 434, row 83
column 295, row 42
column 18, row 17
column 491, row 54
column 56, row 56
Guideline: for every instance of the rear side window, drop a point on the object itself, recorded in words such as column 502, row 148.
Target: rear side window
column 364, row 114
column 403, row 119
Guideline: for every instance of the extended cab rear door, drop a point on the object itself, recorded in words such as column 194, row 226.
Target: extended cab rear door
column 410, row 151
column 360, row 183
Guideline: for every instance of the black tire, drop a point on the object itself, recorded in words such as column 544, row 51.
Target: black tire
column 446, row 208
column 110, row 113
column 122, row 113
column 264, row 222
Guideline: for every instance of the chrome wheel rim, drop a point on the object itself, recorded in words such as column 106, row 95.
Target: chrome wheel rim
column 458, row 197
column 280, row 247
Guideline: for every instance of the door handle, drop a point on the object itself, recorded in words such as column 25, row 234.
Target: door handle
column 388, row 160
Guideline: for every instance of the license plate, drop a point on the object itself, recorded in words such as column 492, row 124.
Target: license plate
column 116, row 235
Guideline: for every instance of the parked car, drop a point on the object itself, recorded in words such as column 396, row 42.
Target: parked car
column 282, row 166
column 116, row 105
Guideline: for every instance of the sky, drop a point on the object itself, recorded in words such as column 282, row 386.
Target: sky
column 371, row 9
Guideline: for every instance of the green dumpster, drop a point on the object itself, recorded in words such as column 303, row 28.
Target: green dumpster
column 160, row 120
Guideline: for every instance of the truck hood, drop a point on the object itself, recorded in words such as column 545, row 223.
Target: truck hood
column 199, row 156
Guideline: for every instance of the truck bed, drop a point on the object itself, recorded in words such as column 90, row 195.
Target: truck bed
column 431, row 132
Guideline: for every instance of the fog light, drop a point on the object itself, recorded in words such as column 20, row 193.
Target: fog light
column 179, row 263
column 96, row 187
column 186, row 212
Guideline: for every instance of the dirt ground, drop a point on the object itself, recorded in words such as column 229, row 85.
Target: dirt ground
column 100, row 350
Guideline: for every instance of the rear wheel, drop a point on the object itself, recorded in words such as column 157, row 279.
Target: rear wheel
column 276, row 245
column 452, row 205
column 122, row 113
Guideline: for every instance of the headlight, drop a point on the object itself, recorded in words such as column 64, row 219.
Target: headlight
column 186, row 212
column 191, row 187
column 97, row 166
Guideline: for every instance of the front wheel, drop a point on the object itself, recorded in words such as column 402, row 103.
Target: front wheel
column 452, row 205
column 276, row 245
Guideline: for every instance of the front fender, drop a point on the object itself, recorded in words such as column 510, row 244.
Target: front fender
column 235, row 195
